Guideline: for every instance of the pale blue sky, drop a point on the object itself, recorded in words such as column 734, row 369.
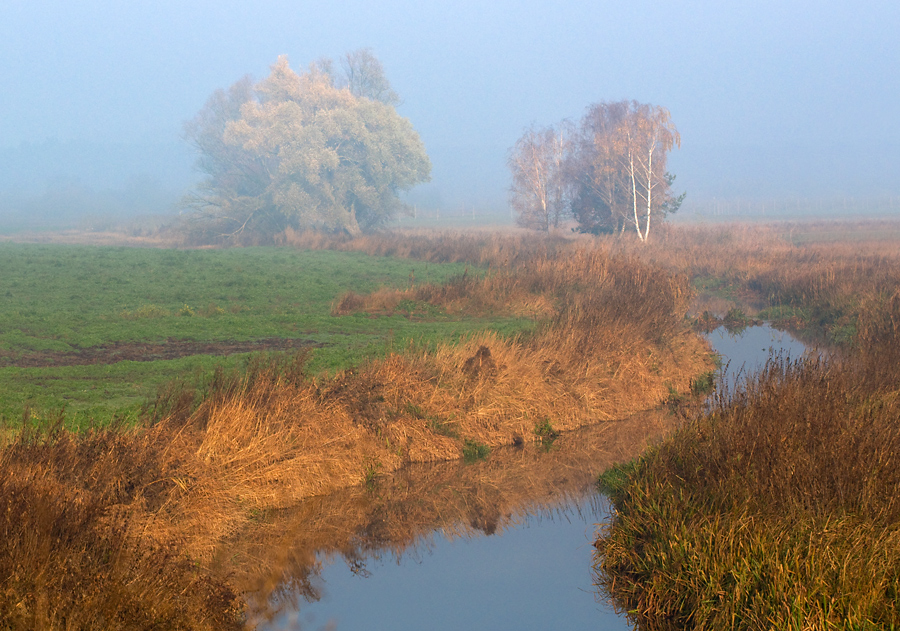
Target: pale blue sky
column 780, row 96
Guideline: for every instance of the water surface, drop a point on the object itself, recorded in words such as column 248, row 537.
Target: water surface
column 746, row 351
column 505, row 543
column 535, row 575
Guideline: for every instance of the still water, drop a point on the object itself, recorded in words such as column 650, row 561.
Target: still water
column 745, row 352
column 501, row 544
column 535, row 575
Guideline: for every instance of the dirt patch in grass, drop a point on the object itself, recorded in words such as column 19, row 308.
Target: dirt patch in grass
column 147, row 352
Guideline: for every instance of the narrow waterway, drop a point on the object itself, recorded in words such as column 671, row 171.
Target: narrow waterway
column 505, row 543
column 536, row 574
column 744, row 352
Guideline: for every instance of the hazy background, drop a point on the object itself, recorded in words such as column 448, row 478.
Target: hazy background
column 777, row 102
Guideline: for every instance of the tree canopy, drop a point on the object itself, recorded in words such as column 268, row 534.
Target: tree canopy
column 608, row 174
column 309, row 150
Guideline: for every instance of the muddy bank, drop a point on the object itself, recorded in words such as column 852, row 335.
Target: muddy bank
column 147, row 352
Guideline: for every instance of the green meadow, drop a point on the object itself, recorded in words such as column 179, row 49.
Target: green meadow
column 93, row 332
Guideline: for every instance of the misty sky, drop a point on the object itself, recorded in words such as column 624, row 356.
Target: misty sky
column 771, row 97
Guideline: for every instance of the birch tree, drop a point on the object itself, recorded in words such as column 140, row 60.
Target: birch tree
column 620, row 168
column 649, row 136
column 541, row 188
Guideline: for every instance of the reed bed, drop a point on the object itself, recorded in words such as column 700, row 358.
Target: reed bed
column 778, row 508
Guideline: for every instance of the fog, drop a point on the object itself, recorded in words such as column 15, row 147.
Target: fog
column 773, row 100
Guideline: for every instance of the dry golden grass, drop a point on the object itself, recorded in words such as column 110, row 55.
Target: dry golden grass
column 184, row 486
column 797, row 265
column 74, row 552
column 815, row 274
column 274, row 436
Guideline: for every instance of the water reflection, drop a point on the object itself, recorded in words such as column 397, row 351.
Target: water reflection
column 537, row 575
column 427, row 539
column 422, row 549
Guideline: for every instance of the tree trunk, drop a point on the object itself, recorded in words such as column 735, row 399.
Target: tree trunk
column 649, row 193
column 351, row 226
column 637, row 223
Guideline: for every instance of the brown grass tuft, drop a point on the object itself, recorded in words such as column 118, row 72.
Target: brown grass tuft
column 75, row 551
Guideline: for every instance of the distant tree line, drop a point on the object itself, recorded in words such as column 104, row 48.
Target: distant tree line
column 321, row 149
column 608, row 172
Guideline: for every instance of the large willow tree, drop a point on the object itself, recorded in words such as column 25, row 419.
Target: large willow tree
column 308, row 150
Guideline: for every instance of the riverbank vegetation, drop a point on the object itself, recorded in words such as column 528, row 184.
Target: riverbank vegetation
column 812, row 277
column 142, row 508
column 776, row 508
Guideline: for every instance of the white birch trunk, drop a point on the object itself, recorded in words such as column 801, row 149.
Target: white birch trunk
column 649, row 192
column 637, row 223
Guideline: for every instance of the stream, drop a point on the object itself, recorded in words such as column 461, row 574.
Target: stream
column 504, row 543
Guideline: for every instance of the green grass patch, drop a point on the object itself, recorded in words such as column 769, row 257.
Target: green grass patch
column 717, row 287
column 95, row 394
column 58, row 302
column 473, row 450
column 704, row 383
column 782, row 313
column 614, row 480
column 546, row 433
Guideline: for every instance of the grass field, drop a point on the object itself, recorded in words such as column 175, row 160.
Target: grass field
column 96, row 330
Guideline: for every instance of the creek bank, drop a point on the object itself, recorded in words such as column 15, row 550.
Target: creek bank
column 775, row 507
